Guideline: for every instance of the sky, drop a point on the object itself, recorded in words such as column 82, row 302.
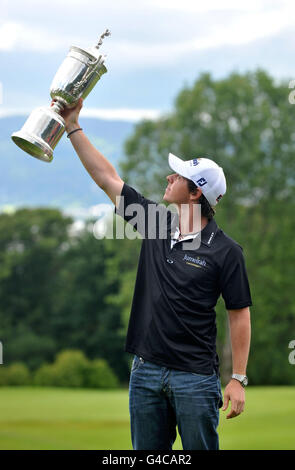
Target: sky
column 156, row 47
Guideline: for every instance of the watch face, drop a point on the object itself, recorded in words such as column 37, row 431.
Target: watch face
column 245, row 381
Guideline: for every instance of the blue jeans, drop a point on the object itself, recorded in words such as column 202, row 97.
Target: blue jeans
column 161, row 399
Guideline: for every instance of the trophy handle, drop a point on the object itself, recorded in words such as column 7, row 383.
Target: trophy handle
column 93, row 66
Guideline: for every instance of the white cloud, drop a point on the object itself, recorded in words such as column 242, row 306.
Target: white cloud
column 7, row 112
column 22, row 36
column 201, row 7
column 247, row 28
column 105, row 6
column 9, row 33
column 198, row 6
column 120, row 114
column 168, row 39
column 245, row 23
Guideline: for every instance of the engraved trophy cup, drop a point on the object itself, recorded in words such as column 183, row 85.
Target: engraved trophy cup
column 75, row 78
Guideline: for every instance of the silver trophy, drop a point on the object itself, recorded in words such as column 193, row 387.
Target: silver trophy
column 75, row 78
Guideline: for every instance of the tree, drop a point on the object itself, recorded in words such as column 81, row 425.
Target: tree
column 31, row 252
column 83, row 317
column 58, row 290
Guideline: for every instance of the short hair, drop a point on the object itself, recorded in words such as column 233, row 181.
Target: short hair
column 206, row 209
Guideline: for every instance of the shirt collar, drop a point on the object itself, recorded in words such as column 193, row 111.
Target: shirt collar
column 177, row 234
column 207, row 234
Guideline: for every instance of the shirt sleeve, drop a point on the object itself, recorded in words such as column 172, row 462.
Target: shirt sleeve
column 149, row 218
column 234, row 282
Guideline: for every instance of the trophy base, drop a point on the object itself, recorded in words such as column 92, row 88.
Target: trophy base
column 40, row 133
column 33, row 146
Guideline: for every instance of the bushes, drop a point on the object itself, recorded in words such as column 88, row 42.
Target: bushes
column 70, row 369
column 45, row 376
column 100, row 375
column 16, row 374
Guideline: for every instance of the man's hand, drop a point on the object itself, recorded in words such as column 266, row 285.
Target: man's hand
column 71, row 115
column 235, row 393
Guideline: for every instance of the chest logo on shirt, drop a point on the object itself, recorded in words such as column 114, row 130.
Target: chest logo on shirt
column 197, row 262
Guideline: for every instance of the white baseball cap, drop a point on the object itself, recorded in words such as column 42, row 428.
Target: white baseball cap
column 205, row 173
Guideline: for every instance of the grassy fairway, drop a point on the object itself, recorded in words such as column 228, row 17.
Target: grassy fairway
column 53, row 418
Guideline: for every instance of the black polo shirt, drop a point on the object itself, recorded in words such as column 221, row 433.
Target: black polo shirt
column 173, row 318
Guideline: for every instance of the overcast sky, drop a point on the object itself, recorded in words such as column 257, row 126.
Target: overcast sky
column 156, row 47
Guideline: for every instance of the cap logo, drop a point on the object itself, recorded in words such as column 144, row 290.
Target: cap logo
column 201, row 182
column 194, row 162
column 219, row 197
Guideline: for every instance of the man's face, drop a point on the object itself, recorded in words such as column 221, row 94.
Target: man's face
column 177, row 190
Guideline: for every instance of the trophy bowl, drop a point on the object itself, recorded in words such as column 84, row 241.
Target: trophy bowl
column 75, row 78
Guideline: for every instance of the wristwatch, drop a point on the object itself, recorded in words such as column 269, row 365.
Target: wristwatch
column 243, row 379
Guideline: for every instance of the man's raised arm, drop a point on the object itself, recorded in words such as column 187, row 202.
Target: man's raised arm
column 99, row 168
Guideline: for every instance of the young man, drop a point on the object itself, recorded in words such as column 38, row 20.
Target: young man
column 172, row 329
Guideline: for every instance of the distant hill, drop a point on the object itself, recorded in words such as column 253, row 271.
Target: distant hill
column 63, row 183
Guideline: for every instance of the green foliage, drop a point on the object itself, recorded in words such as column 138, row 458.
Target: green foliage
column 100, row 375
column 54, row 291
column 72, row 369
column 3, row 375
column 45, row 376
column 83, row 317
column 30, row 347
column 31, row 255
column 15, row 374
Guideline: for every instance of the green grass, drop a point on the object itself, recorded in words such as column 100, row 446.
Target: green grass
column 53, row 418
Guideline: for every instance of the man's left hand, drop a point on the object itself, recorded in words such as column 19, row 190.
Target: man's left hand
column 234, row 392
